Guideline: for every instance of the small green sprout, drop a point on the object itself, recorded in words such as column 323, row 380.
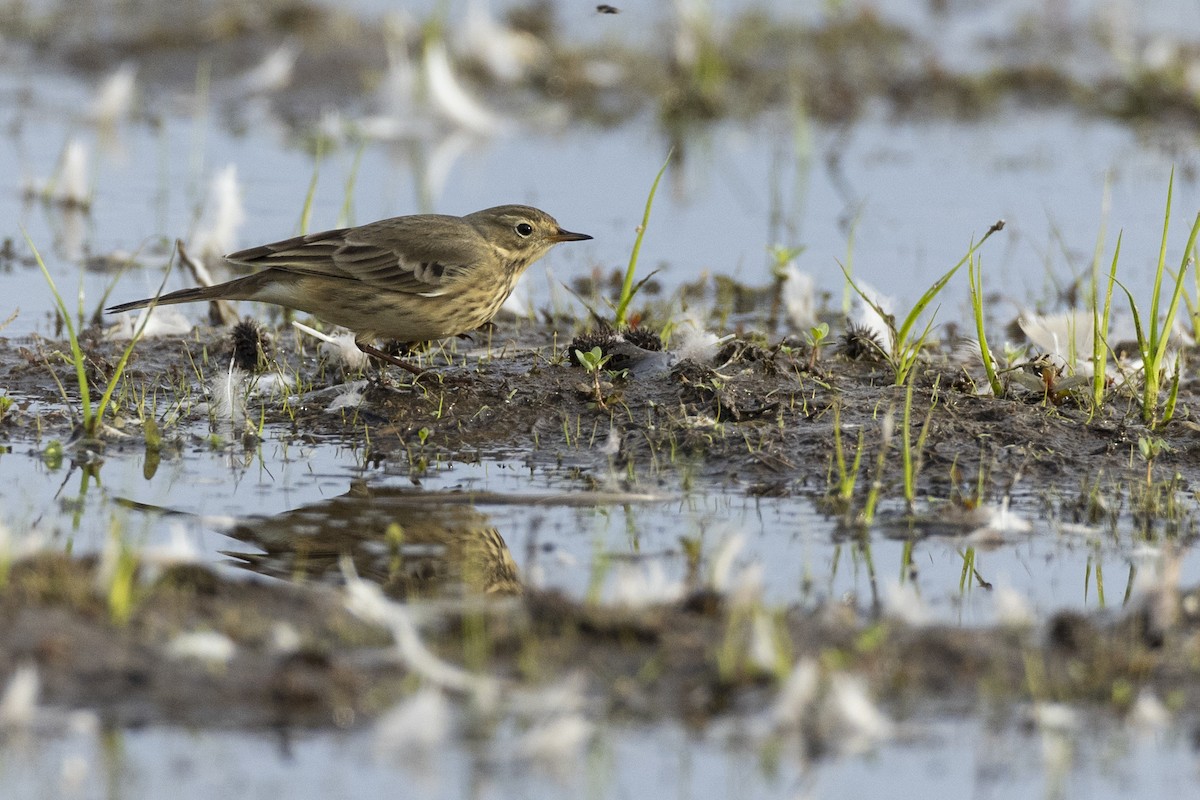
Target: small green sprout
column 593, row 360
column 628, row 287
column 1150, row 448
column 816, row 334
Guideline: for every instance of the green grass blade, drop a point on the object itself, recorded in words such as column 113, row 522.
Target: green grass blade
column 134, row 339
column 1162, row 263
column 850, row 280
column 92, row 417
column 346, row 215
column 1172, row 395
column 627, row 291
column 306, row 211
column 1169, row 319
column 906, row 457
column 933, row 292
column 940, row 283
column 1139, row 333
column 975, row 277
column 1100, row 331
column 85, row 395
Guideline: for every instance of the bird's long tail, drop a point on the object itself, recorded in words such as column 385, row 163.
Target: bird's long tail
column 233, row 290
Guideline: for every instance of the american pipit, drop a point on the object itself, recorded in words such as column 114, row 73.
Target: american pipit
column 415, row 278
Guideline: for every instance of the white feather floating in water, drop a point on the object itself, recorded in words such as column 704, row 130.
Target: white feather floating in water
column 162, row 322
column 72, row 186
column 342, row 345
column 644, row 585
column 114, row 98
column 507, row 54
column 223, row 216
column 798, row 695
column 271, row 74
column 554, row 743
column 868, row 317
column 799, row 298
column 858, row 719
column 903, row 602
column 452, row 100
column 416, row 728
column 209, row 647
column 691, row 342
column 18, row 705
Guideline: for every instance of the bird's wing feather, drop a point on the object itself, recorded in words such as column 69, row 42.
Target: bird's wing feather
column 414, row 255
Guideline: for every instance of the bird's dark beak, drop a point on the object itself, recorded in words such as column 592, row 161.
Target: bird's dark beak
column 567, row 236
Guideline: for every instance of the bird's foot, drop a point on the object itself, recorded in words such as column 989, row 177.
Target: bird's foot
column 375, row 352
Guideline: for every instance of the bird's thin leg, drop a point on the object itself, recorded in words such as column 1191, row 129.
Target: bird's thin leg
column 382, row 356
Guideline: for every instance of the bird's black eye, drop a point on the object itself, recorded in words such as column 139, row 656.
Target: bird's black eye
column 524, row 229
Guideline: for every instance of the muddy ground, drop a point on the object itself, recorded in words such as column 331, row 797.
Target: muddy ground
column 758, row 417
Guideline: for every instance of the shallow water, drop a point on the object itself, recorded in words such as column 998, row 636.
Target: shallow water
column 966, row 758
column 918, row 193
column 804, row 555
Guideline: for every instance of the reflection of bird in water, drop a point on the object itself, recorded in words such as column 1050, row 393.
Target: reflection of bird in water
column 411, row 543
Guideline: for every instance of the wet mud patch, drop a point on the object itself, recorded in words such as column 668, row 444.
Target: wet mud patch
column 750, row 417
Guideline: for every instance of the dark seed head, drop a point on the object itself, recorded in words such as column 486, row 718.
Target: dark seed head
column 250, row 345
column 643, row 338
column 859, row 342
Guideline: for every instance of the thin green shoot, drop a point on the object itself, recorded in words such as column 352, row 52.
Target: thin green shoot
column 201, row 107
column 1100, row 323
column 781, row 258
column 346, row 215
column 847, row 476
column 975, row 276
column 911, row 456
column 1100, row 319
column 850, row 240
column 306, row 211
column 1153, row 339
column 1172, row 394
column 92, row 416
column 815, row 336
column 887, row 426
column 122, row 573
column 968, row 565
column 1129, row 584
column 904, row 349
column 906, row 455
column 601, row 567
column 1194, row 306
column 628, row 289
column 907, row 570
column 1150, row 448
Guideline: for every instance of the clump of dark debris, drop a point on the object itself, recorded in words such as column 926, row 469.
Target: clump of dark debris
column 251, row 346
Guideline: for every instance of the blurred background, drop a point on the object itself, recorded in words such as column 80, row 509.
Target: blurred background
column 883, row 135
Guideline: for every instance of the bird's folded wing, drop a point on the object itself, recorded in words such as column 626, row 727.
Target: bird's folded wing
column 371, row 256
